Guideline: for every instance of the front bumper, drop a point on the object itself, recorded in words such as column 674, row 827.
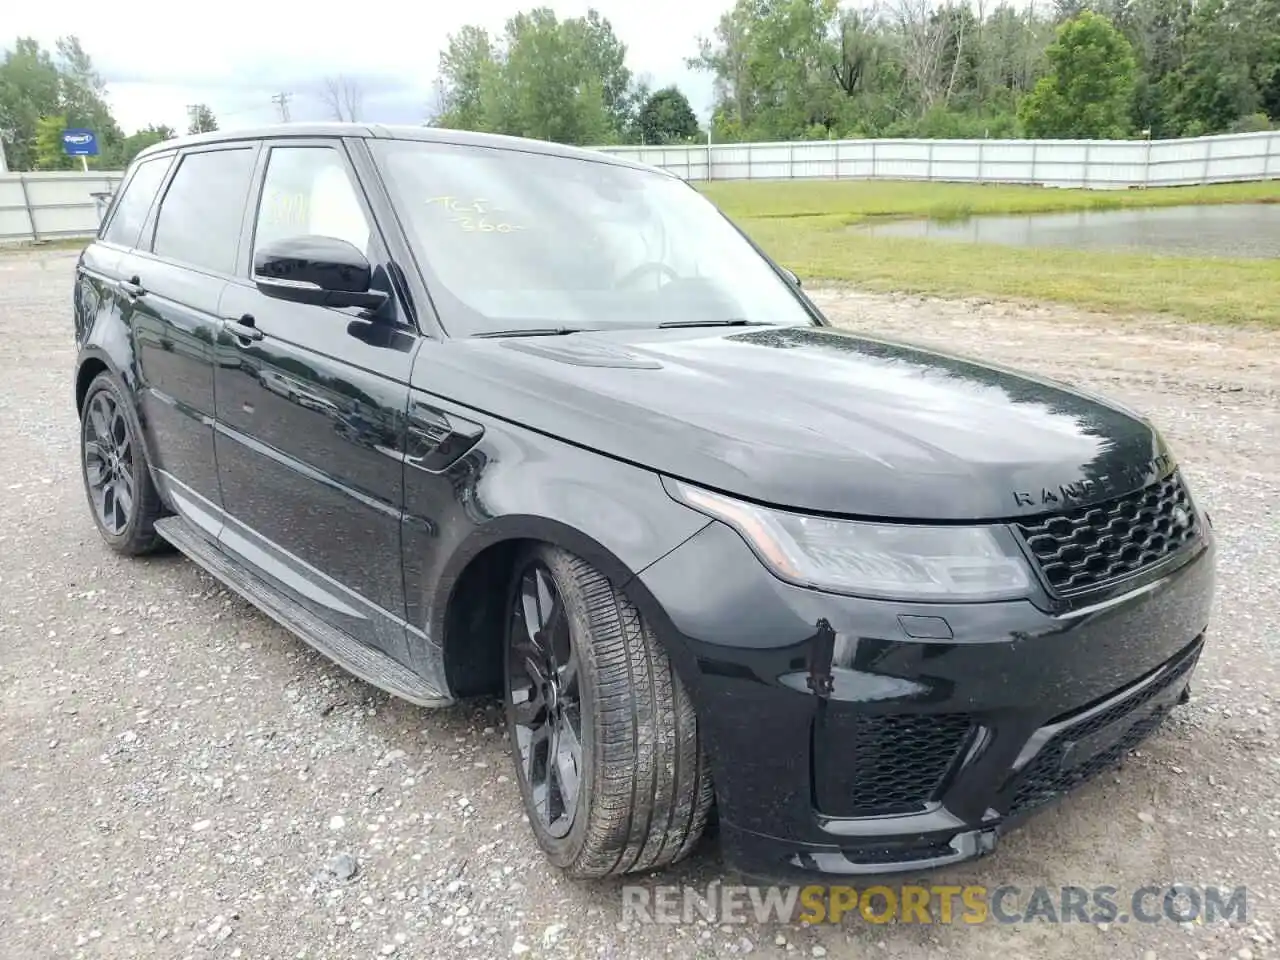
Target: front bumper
column 850, row 736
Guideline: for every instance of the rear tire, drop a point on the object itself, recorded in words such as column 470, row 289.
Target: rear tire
column 113, row 462
column 588, row 683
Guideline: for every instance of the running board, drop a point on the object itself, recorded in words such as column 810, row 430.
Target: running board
column 368, row 664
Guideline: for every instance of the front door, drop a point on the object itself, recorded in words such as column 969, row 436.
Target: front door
column 311, row 414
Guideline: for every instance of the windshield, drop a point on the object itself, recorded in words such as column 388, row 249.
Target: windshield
column 521, row 241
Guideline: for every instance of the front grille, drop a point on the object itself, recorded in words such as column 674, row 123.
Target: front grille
column 885, row 765
column 1089, row 547
column 1045, row 778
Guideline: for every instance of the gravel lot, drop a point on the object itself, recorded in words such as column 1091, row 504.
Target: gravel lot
column 178, row 774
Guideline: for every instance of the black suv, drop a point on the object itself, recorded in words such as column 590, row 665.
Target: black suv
column 484, row 416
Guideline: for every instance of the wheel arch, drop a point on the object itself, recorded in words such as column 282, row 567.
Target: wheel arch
column 95, row 360
column 472, row 627
column 92, row 363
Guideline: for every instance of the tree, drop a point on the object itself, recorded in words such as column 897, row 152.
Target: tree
column 48, row 151
column 1215, row 82
column 772, row 62
column 666, row 117
column 202, row 119
column 1088, row 91
column 343, row 97
column 546, row 78
column 468, row 61
column 929, row 52
column 547, row 90
column 860, row 49
column 959, row 68
column 30, row 88
column 135, row 143
column 602, row 55
column 1266, row 56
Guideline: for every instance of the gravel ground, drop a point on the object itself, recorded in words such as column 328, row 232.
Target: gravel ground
column 182, row 778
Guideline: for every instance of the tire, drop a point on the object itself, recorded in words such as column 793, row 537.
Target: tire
column 113, row 464
column 643, row 789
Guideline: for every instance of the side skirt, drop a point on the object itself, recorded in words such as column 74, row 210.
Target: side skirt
column 370, row 665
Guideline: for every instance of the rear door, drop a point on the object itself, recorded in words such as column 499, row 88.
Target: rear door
column 311, row 413
column 171, row 284
column 97, row 291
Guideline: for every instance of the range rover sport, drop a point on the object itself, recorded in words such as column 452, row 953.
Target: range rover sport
column 483, row 416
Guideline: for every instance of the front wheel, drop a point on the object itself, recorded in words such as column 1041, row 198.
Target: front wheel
column 603, row 732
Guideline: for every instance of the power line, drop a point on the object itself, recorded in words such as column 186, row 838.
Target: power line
column 281, row 100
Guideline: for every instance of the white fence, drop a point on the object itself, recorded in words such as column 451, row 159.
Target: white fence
column 52, row 206
column 1098, row 164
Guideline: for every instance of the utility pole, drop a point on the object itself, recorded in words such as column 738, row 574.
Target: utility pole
column 194, row 115
column 281, row 100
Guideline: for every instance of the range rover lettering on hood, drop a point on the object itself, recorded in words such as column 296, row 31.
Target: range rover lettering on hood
column 1090, row 489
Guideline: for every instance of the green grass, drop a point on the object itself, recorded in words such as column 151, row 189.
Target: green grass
column 855, row 200
column 804, row 225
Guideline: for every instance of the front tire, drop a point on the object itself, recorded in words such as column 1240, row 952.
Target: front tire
column 603, row 733
column 113, row 463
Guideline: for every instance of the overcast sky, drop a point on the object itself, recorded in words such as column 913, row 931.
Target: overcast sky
column 157, row 57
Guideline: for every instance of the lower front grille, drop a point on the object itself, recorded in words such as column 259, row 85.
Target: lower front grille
column 1047, row 776
column 868, row 765
column 905, row 851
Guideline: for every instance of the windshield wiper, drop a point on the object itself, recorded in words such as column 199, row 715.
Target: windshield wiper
column 732, row 322
column 531, row 332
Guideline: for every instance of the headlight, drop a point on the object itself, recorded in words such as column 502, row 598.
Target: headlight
column 898, row 560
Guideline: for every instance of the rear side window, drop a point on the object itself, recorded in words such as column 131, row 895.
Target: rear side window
column 135, row 202
column 200, row 215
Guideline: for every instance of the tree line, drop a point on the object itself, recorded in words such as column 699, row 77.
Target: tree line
column 562, row 80
column 816, row 69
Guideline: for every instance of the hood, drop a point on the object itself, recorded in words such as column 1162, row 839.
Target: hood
column 810, row 418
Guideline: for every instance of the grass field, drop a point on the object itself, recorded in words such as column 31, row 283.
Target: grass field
column 804, row 225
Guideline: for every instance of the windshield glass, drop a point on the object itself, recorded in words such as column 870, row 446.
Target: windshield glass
column 511, row 240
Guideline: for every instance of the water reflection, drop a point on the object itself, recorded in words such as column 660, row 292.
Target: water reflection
column 1249, row 230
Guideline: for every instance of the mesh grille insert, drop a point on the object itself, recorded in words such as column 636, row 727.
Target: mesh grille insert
column 1089, row 547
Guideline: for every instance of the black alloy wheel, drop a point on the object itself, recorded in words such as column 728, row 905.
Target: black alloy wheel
column 603, row 733
column 113, row 462
column 543, row 689
column 109, row 462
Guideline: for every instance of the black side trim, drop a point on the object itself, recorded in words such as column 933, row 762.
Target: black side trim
column 368, row 664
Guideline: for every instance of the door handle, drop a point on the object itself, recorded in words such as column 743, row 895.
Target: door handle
column 243, row 328
column 133, row 288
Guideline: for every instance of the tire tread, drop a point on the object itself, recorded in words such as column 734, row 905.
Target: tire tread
column 652, row 794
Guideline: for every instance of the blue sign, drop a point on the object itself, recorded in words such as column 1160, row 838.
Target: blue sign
column 79, row 143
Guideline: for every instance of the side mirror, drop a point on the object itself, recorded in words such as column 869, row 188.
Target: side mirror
column 790, row 276
column 323, row 271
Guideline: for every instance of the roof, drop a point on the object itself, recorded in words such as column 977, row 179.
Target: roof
column 379, row 131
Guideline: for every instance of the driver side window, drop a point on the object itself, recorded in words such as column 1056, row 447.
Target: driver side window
column 307, row 192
